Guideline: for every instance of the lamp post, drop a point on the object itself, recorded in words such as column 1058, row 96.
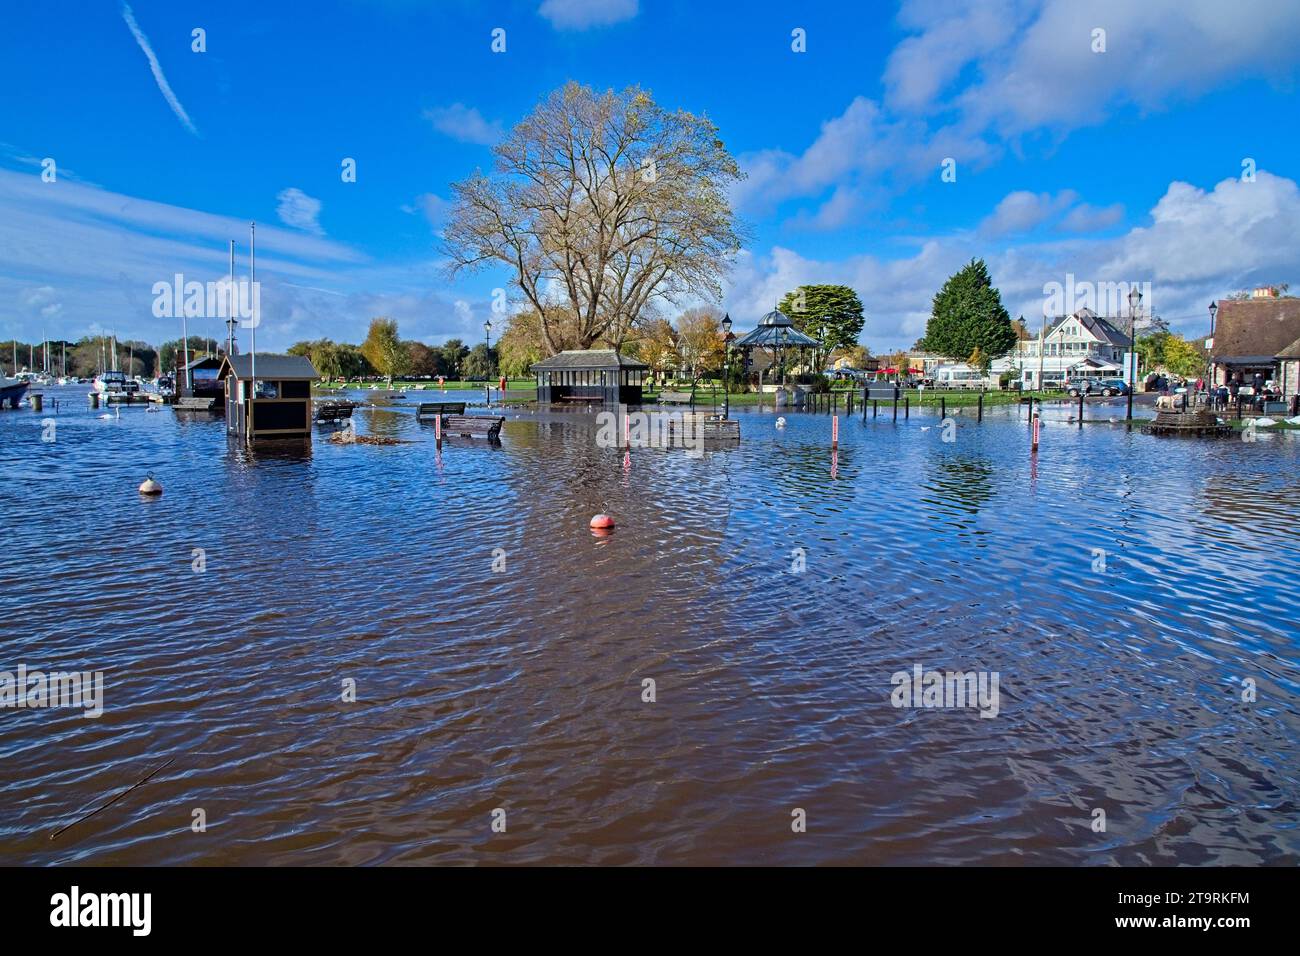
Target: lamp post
column 726, row 366
column 487, row 340
column 1134, row 302
column 1209, row 343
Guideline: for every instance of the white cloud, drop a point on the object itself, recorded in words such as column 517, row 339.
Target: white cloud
column 1200, row 244
column 156, row 68
column 299, row 210
column 842, row 208
column 1023, row 211
column 1086, row 218
column 974, row 76
column 433, row 207
column 1034, row 64
column 76, row 258
column 583, row 14
column 464, row 123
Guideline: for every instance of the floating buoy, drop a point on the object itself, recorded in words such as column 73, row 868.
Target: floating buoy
column 602, row 521
column 780, row 422
column 150, row 487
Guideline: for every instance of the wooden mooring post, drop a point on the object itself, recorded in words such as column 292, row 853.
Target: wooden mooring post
column 943, row 407
column 1081, row 409
column 979, row 415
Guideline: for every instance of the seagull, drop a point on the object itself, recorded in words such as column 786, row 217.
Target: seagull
column 925, row 428
column 780, row 422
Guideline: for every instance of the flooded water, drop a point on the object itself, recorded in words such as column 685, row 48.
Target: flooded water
column 1129, row 592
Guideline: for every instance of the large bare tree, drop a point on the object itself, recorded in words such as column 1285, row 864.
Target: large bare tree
column 607, row 199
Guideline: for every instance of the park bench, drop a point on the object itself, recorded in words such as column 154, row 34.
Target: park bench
column 467, row 426
column 191, row 404
column 675, row 398
column 708, row 426
column 432, row 410
column 333, row 411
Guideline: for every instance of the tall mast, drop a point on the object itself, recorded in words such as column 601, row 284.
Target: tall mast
column 252, row 298
column 230, row 313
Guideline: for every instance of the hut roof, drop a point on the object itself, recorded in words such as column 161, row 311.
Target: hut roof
column 1292, row 351
column 270, row 365
column 209, row 361
column 588, row 359
column 1255, row 328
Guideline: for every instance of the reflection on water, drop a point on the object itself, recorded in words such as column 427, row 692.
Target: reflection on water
column 521, row 687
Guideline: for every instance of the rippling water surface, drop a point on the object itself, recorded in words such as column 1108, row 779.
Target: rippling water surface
column 522, row 689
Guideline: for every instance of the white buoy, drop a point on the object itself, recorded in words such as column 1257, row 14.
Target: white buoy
column 150, row 487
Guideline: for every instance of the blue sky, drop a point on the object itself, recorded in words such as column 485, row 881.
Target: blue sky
column 1122, row 165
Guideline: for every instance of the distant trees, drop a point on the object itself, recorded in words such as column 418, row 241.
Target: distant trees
column 608, row 197
column 656, row 345
column 170, row 355
column 453, row 358
column 478, row 363
column 384, row 350
column 831, row 314
column 699, row 339
column 423, row 359
column 968, row 321
column 520, row 344
column 1172, row 352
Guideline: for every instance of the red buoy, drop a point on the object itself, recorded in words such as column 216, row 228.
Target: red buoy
column 602, row 521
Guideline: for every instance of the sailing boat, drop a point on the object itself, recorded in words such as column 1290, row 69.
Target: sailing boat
column 114, row 385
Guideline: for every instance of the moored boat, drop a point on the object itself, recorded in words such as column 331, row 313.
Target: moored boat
column 12, row 390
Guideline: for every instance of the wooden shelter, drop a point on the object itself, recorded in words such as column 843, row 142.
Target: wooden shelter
column 590, row 375
column 268, row 396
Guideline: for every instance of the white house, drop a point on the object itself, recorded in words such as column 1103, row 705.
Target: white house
column 1083, row 345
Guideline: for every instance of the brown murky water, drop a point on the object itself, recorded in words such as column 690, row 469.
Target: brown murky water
column 1120, row 689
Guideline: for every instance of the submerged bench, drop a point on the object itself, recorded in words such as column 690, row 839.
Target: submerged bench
column 674, row 398
column 433, row 409
column 710, row 426
column 333, row 411
column 469, row 425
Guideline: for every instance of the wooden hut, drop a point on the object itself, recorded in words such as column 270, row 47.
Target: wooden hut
column 201, row 379
column 274, row 404
column 590, row 375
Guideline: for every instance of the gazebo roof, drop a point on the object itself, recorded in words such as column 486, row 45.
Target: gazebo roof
column 775, row 331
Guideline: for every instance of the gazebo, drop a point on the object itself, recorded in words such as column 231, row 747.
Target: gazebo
column 777, row 335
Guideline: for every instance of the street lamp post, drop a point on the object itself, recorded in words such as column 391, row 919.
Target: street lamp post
column 726, row 367
column 1209, row 344
column 1134, row 302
